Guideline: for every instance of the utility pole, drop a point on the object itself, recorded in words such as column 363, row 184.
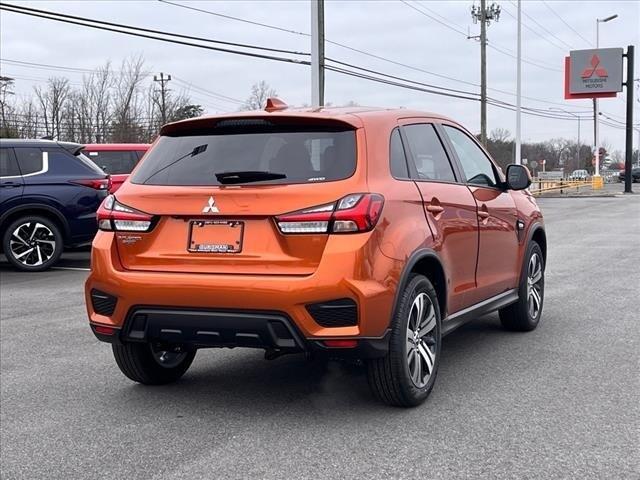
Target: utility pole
column 484, row 15
column 163, row 94
column 596, row 113
column 317, row 53
column 518, row 160
column 628, row 180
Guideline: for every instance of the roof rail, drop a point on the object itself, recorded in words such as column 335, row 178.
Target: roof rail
column 275, row 104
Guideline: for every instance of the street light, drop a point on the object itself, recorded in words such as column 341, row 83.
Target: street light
column 596, row 121
column 578, row 117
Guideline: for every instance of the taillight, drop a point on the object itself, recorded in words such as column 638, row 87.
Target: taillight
column 98, row 183
column 355, row 213
column 114, row 216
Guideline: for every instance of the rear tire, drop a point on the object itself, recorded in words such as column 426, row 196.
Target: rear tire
column 141, row 363
column 406, row 375
column 524, row 315
column 32, row 243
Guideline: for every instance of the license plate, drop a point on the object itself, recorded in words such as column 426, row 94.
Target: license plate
column 215, row 236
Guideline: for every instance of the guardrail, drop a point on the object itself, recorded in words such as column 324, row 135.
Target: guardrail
column 539, row 187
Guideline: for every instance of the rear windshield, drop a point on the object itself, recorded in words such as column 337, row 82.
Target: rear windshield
column 114, row 161
column 312, row 154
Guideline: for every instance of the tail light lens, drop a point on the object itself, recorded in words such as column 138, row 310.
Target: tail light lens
column 96, row 183
column 355, row 213
column 114, row 216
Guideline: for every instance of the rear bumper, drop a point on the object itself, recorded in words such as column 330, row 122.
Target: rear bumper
column 361, row 274
column 229, row 329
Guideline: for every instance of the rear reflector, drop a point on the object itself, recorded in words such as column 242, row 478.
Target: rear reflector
column 340, row 343
column 355, row 213
column 102, row 330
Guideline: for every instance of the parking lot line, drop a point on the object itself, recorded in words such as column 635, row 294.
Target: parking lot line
column 79, row 269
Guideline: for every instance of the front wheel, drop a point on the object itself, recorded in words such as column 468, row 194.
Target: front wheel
column 406, row 375
column 152, row 364
column 524, row 315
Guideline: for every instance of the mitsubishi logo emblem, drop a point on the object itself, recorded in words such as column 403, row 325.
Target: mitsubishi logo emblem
column 210, row 207
column 594, row 68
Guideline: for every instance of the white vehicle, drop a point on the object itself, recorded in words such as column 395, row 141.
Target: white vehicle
column 579, row 175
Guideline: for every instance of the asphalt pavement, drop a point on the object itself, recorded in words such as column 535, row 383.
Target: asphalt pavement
column 560, row 402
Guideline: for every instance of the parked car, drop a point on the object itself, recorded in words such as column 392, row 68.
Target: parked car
column 635, row 175
column 49, row 194
column 579, row 175
column 351, row 233
column 116, row 159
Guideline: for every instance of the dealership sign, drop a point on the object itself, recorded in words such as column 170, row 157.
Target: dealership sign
column 593, row 73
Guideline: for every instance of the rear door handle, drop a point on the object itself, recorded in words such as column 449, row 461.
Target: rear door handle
column 435, row 209
column 483, row 212
column 10, row 184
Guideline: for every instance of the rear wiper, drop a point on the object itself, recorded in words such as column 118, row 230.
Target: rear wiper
column 227, row 178
column 196, row 151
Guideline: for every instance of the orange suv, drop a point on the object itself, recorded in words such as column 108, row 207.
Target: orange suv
column 351, row 233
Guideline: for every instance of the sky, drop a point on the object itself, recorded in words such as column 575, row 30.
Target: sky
column 433, row 41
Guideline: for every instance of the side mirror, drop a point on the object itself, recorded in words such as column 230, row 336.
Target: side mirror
column 518, row 177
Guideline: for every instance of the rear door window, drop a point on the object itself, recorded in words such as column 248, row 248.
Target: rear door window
column 428, row 154
column 304, row 155
column 8, row 163
column 31, row 161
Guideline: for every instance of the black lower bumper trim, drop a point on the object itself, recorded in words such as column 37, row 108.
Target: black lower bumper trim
column 205, row 328
column 272, row 331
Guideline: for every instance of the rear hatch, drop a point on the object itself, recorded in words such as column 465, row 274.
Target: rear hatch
column 208, row 220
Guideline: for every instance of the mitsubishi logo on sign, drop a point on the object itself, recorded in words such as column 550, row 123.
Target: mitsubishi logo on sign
column 595, row 72
column 593, row 68
column 210, row 207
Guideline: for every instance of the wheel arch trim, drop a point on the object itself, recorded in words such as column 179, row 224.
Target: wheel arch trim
column 533, row 230
column 37, row 206
column 412, row 261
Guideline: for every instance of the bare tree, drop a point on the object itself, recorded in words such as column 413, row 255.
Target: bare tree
column 260, row 92
column 52, row 101
column 500, row 135
column 6, row 91
column 127, row 104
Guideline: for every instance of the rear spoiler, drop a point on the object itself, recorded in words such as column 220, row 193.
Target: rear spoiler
column 73, row 148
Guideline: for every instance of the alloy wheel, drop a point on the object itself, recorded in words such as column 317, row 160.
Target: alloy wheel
column 534, row 286
column 168, row 358
column 421, row 340
column 32, row 244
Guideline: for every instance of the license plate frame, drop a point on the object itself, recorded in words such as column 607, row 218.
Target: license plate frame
column 231, row 243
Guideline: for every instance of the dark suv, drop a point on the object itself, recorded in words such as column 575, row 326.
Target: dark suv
column 49, row 194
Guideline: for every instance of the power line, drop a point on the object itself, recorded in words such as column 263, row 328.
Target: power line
column 414, row 85
column 589, row 42
column 230, row 17
column 428, row 89
column 44, row 66
column 208, row 92
column 534, row 31
column 67, row 19
column 378, row 57
column 542, row 27
column 149, row 30
column 500, row 49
